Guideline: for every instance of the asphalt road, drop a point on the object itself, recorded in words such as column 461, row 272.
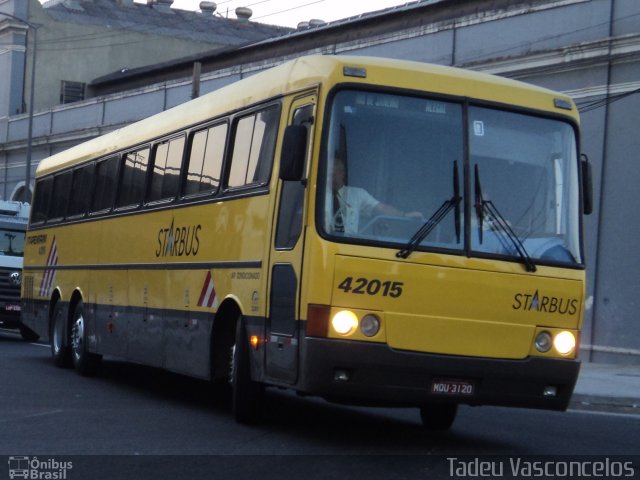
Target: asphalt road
column 135, row 410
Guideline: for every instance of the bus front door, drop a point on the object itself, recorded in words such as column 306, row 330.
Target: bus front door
column 286, row 265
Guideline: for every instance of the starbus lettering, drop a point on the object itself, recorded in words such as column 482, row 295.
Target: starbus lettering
column 36, row 239
column 178, row 241
column 543, row 303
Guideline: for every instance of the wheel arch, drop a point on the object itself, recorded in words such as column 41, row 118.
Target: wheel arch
column 56, row 296
column 76, row 297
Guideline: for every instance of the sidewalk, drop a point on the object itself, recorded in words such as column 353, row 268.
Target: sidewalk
column 607, row 388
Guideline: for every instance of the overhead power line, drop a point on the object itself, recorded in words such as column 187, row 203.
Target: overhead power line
column 607, row 100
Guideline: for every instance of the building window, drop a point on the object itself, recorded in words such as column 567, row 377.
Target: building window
column 71, row 91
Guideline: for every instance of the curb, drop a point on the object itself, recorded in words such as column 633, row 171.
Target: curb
column 596, row 403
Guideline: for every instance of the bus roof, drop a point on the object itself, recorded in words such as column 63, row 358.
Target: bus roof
column 305, row 72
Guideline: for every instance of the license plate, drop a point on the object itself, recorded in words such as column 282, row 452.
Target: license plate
column 446, row 386
column 12, row 308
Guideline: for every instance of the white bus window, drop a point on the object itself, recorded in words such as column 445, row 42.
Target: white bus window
column 253, row 148
column 166, row 170
column 205, row 160
column 132, row 179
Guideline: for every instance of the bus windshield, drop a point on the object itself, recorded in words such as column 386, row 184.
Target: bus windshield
column 394, row 176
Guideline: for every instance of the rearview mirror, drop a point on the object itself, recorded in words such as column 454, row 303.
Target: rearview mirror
column 294, row 149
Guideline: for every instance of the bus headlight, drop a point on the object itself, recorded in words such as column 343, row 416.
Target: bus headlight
column 565, row 343
column 370, row 325
column 543, row 342
column 344, row 322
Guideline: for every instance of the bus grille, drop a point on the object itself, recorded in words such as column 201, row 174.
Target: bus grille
column 9, row 291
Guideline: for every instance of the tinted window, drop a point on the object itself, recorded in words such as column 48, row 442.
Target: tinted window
column 81, row 188
column 165, row 178
column 205, row 160
column 253, row 147
column 292, row 197
column 106, row 182
column 132, row 178
column 60, row 196
column 41, row 200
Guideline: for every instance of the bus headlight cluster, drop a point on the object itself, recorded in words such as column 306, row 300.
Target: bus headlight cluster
column 345, row 322
column 370, row 325
column 564, row 342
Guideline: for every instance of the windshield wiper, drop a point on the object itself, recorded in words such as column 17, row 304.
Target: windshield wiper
column 499, row 223
column 436, row 218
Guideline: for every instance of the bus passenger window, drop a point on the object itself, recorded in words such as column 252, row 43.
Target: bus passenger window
column 166, row 170
column 205, row 160
column 106, row 182
column 41, row 201
column 253, row 148
column 60, row 197
column 132, row 179
column 81, row 188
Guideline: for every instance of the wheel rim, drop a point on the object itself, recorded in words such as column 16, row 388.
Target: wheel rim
column 77, row 336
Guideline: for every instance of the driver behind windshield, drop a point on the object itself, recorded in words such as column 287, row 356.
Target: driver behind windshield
column 350, row 202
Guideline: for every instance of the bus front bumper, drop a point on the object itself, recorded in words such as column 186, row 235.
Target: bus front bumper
column 374, row 374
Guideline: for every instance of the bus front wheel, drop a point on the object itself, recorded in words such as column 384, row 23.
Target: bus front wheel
column 438, row 416
column 247, row 394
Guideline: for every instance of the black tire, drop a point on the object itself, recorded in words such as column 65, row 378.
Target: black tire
column 247, row 395
column 60, row 344
column 85, row 362
column 438, row 416
column 28, row 335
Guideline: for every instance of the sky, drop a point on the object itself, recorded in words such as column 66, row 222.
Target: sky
column 290, row 12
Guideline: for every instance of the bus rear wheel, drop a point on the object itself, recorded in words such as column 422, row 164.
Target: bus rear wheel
column 60, row 344
column 85, row 362
column 438, row 416
column 247, row 394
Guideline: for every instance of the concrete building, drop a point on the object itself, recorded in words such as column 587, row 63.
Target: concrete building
column 80, row 40
column 589, row 49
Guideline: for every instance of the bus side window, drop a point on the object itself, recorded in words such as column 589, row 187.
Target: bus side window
column 106, row 183
column 81, row 188
column 253, row 148
column 60, row 196
column 165, row 178
column 41, row 200
column 132, row 178
column 205, row 160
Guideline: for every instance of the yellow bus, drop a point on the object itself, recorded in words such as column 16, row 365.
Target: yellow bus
column 365, row 230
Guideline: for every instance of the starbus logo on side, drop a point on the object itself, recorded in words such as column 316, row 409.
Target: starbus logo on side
column 178, row 241
column 543, row 303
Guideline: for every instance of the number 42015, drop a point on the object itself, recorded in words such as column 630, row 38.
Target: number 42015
column 366, row 286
